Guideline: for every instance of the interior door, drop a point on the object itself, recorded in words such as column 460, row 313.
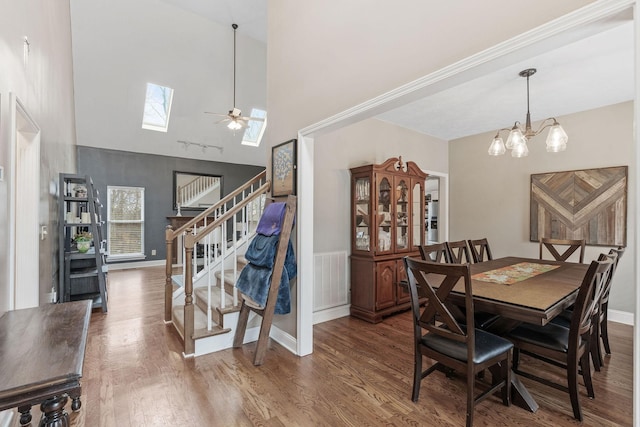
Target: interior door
column 24, row 209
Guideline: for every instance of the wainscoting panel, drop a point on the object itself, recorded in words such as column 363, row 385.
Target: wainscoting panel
column 331, row 280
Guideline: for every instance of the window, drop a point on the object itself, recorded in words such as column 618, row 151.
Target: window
column 157, row 106
column 255, row 128
column 125, row 218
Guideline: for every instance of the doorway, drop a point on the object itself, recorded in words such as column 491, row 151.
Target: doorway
column 432, row 203
column 24, row 250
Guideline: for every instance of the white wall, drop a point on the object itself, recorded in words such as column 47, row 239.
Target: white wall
column 120, row 45
column 325, row 57
column 367, row 142
column 45, row 88
column 490, row 195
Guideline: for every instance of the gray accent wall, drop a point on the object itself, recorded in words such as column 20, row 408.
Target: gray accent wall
column 155, row 174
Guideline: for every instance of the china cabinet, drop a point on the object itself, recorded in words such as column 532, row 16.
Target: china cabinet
column 387, row 224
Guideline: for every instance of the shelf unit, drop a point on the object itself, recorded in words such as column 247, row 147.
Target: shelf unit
column 82, row 275
column 388, row 223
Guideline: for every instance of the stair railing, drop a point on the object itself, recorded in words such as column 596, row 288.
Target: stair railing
column 215, row 217
column 196, row 188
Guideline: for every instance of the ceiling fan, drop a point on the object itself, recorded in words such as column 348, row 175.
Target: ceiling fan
column 234, row 118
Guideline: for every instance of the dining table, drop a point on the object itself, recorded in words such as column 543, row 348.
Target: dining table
column 522, row 290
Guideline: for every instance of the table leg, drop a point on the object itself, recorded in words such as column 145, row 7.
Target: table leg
column 25, row 414
column 520, row 396
column 75, row 398
column 53, row 413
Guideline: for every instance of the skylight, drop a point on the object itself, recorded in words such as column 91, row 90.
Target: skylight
column 255, row 128
column 157, row 107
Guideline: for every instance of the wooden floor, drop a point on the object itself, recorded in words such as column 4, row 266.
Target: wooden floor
column 358, row 375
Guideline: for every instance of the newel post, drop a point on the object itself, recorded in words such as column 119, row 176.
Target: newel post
column 189, row 343
column 168, row 284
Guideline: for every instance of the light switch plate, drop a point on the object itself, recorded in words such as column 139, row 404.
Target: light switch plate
column 1, row 173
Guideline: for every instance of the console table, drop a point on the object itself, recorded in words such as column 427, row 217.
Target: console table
column 41, row 358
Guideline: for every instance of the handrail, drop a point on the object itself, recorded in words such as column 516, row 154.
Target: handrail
column 229, row 197
column 204, row 231
column 191, row 235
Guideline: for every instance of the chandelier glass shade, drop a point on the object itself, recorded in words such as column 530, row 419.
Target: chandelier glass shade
column 518, row 137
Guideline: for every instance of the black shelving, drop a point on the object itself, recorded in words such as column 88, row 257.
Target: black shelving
column 83, row 275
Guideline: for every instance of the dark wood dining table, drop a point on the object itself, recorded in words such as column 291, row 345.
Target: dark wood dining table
column 536, row 299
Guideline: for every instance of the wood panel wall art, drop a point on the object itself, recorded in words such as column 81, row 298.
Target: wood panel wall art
column 588, row 204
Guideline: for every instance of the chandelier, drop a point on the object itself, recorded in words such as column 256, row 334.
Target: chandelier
column 518, row 137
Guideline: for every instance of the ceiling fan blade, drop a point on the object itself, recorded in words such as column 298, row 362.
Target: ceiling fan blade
column 216, row 114
column 257, row 119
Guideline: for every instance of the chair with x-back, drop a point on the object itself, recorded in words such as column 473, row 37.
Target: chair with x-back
column 435, row 252
column 567, row 246
column 480, row 250
column 565, row 347
column 439, row 336
column 601, row 330
column 458, row 252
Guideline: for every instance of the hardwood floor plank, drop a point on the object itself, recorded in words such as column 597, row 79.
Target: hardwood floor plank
column 359, row 374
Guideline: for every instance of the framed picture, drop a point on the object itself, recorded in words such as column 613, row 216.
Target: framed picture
column 195, row 191
column 283, row 169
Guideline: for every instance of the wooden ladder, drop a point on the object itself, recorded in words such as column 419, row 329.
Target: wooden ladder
column 268, row 311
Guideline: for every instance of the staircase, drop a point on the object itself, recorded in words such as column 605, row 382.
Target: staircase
column 201, row 300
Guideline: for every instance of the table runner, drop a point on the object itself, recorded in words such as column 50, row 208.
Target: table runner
column 514, row 273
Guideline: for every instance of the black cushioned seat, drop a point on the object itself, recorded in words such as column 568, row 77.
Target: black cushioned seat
column 488, row 346
column 551, row 336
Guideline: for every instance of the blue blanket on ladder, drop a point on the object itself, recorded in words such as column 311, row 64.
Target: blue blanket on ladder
column 255, row 277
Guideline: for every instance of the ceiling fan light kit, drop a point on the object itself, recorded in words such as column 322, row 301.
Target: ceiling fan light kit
column 234, row 117
column 518, row 138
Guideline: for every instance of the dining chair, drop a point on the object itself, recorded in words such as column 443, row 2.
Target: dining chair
column 564, row 318
column 436, row 252
column 601, row 321
column 568, row 247
column 449, row 343
column 568, row 348
column 480, row 250
column 458, row 252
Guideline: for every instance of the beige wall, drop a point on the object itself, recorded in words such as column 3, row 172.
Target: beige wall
column 45, row 88
column 325, row 57
column 490, row 195
column 367, row 142
column 370, row 141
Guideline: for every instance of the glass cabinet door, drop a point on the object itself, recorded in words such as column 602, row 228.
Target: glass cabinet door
column 418, row 231
column 402, row 224
column 362, row 220
column 384, row 215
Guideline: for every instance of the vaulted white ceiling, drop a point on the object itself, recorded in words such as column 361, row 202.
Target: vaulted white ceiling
column 594, row 71
column 250, row 15
column 593, row 68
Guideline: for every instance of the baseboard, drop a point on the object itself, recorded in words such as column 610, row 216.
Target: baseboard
column 620, row 317
column 284, row 339
column 137, row 264
column 331, row 314
column 6, row 417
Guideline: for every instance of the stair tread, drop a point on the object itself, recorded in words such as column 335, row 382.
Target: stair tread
column 201, row 295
